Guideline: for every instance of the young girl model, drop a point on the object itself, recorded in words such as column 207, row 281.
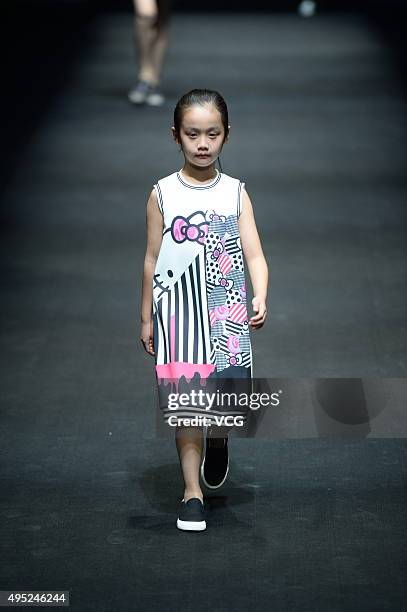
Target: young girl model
column 194, row 319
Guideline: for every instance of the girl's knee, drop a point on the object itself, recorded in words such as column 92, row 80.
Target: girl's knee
column 188, row 431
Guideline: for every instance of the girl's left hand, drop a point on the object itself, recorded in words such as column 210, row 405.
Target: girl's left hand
column 257, row 321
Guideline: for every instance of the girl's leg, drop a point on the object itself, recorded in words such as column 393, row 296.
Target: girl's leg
column 145, row 21
column 189, row 441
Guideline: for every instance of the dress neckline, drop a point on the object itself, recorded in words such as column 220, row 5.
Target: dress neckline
column 212, row 183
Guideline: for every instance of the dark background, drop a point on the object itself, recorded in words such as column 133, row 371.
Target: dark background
column 41, row 40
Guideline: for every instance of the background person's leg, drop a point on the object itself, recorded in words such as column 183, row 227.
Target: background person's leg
column 161, row 41
column 158, row 52
column 145, row 31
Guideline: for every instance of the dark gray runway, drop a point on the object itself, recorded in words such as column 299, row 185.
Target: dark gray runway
column 89, row 495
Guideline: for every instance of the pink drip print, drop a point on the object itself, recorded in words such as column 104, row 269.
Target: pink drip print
column 171, row 372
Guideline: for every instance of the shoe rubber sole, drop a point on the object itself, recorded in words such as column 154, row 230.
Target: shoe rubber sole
column 191, row 525
column 155, row 101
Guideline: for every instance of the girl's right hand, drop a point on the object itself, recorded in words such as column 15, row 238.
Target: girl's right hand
column 146, row 337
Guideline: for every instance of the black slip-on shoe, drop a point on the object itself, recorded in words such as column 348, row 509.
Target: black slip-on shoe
column 215, row 463
column 191, row 516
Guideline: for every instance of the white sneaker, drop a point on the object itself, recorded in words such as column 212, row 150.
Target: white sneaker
column 139, row 93
column 154, row 96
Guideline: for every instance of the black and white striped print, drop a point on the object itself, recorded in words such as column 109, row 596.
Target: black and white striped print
column 188, row 303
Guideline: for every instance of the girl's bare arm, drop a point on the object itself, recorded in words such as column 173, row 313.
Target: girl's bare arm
column 154, row 223
column 255, row 259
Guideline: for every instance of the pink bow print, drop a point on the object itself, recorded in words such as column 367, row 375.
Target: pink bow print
column 214, row 216
column 182, row 229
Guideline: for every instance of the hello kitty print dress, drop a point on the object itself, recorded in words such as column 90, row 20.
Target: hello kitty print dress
column 200, row 318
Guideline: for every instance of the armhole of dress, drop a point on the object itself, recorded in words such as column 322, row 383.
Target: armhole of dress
column 240, row 198
column 159, row 198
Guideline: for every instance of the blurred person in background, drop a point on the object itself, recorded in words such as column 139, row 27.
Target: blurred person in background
column 151, row 32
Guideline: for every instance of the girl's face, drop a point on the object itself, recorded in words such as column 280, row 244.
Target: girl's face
column 201, row 135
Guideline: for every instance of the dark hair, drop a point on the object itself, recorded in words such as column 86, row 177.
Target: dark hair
column 201, row 96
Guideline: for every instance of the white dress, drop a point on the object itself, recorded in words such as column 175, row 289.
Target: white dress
column 200, row 316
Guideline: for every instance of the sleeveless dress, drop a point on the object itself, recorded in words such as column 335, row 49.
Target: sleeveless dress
column 200, row 320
